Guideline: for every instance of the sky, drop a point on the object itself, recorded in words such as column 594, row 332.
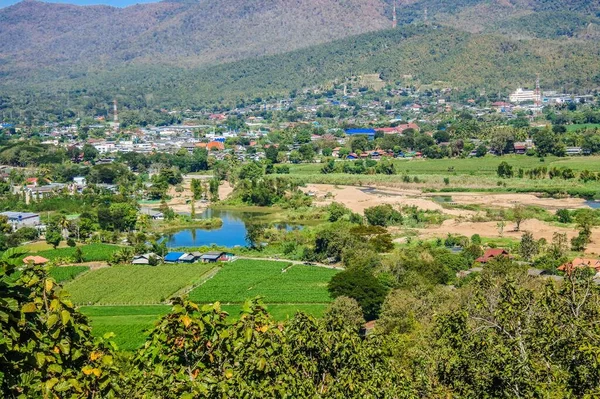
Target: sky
column 115, row 3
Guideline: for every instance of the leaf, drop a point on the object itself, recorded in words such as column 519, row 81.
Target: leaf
column 52, row 319
column 248, row 334
column 51, row 383
column 107, row 360
column 228, row 373
column 48, row 284
column 65, row 317
column 29, row 308
column 262, row 363
column 87, row 370
column 186, row 320
column 40, row 358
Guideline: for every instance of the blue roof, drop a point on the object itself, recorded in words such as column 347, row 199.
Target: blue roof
column 360, row 131
column 173, row 256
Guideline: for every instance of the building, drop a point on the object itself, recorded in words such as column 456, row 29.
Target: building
column 80, row 181
column 491, row 254
column 144, row 259
column 370, row 133
column 173, row 257
column 580, row 263
column 522, row 95
column 216, row 256
column 22, row 219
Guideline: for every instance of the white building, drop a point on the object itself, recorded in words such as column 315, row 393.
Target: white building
column 21, row 219
column 521, row 95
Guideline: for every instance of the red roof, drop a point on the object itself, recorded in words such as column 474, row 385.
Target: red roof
column 398, row 129
column 580, row 263
column 36, row 260
column 213, row 145
column 491, row 254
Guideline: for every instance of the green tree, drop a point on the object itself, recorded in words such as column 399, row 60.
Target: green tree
column 346, row 309
column 505, row 170
column 363, row 287
column 53, row 236
column 528, row 247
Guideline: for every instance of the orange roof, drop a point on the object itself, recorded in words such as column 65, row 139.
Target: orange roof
column 580, row 263
column 491, row 254
column 36, row 260
column 212, row 145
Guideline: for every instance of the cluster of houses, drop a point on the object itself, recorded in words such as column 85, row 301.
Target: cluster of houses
column 185, row 257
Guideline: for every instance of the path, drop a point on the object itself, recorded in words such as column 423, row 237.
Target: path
column 294, row 262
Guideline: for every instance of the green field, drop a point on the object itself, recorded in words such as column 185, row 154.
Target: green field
column 65, row 273
column 134, row 285
column 245, row 279
column 468, row 174
column 129, row 323
column 91, row 252
column 574, row 128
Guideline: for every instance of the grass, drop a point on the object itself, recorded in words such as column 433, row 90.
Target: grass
column 129, row 323
column 91, row 252
column 469, row 174
column 573, row 128
column 134, row 285
column 245, row 279
column 67, row 273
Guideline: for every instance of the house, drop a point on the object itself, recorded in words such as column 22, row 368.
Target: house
column 212, row 146
column 217, row 256
column 144, row 259
column 370, row 133
column 173, row 257
column 32, row 181
column 21, row 219
column 35, row 260
column 579, row 263
column 80, row 181
column 574, row 151
column 188, row 258
column 491, row 254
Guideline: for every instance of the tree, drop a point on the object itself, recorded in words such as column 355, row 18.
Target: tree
column 559, row 246
column 337, row 211
column 383, row 215
column 563, row 216
column 295, row 157
column 518, row 215
column 307, row 152
column 78, row 255
column 528, row 247
column 252, row 171
column 363, row 287
column 53, row 236
column 197, row 188
column 346, row 309
column 359, row 143
column 505, row 170
column 481, row 151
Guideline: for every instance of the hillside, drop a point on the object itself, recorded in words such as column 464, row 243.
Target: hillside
column 438, row 56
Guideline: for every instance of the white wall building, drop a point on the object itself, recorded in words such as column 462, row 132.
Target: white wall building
column 521, row 95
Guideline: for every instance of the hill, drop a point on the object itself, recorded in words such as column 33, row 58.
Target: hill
column 433, row 55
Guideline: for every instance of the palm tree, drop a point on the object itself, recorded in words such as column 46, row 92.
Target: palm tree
column 64, row 224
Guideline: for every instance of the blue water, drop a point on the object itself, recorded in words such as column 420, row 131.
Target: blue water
column 231, row 234
column 593, row 204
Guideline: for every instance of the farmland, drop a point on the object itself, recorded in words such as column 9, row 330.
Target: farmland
column 67, row 273
column 91, row 252
column 134, row 285
column 128, row 323
column 245, row 279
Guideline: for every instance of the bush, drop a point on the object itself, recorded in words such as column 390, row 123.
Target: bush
column 383, row 215
column 71, row 242
column 363, row 287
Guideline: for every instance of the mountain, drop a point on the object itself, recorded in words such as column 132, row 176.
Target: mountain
column 194, row 52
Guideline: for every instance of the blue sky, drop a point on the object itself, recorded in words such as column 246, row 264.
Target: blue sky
column 115, row 3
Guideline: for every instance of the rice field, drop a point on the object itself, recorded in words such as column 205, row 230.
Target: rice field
column 91, row 252
column 128, row 323
column 134, row 285
column 276, row 282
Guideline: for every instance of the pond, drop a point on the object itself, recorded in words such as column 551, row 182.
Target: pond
column 231, row 234
column 593, row 204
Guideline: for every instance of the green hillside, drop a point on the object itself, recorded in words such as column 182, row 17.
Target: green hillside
column 433, row 55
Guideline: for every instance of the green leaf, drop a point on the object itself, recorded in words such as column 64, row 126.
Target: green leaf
column 52, row 320
column 29, row 308
column 41, row 359
column 65, row 317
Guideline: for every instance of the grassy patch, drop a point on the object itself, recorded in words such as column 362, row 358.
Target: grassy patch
column 67, row 273
column 129, row 323
column 574, row 128
column 134, row 285
column 91, row 252
column 245, row 279
column 281, row 312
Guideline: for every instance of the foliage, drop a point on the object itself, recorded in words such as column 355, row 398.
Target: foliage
column 383, row 215
column 362, row 286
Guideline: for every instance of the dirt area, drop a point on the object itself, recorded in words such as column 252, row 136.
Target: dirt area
column 178, row 201
column 538, row 228
column 359, row 198
column 510, row 200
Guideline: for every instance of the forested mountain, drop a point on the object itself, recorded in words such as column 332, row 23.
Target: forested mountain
column 193, row 52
